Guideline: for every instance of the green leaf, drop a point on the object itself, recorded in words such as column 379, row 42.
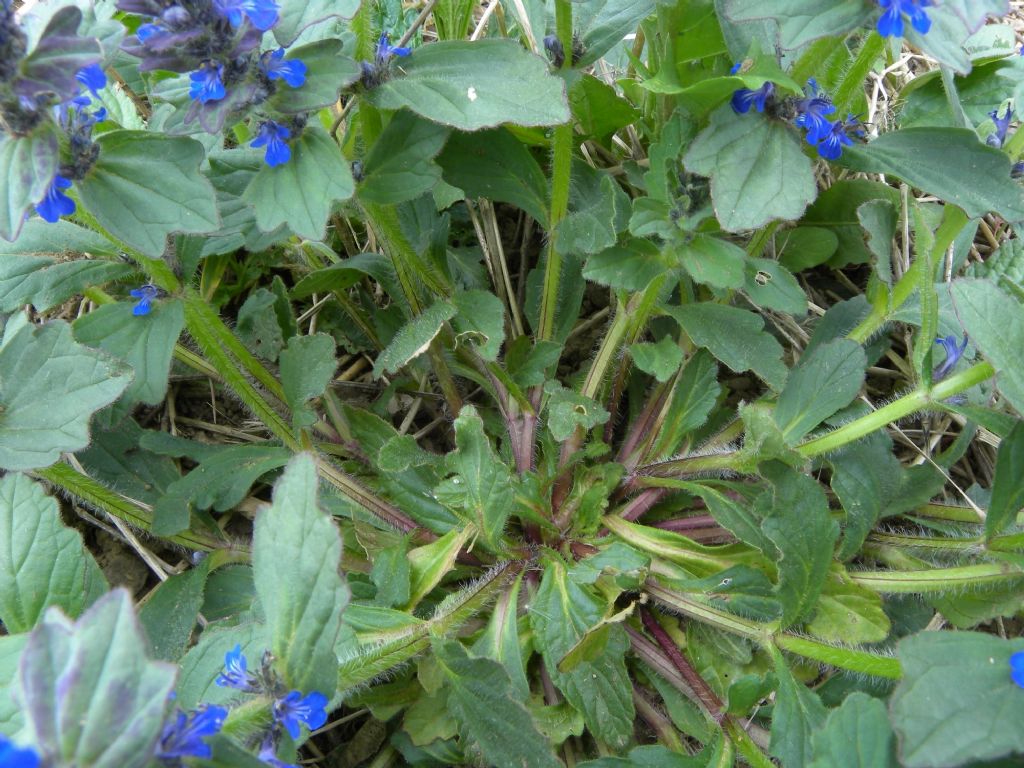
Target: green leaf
column 480, row 322
column 561, row 613
column 390, row 574
column 307, row 367
column 480, row 488
column 401, row 164
column 144, row 343
column 44, row 283
column 598, row 109
column 295, row 17
column 568, row 410
column 170, row 612
column 205, row 661
column 595, row 201
column 995, row 323
column 734, row 336
column 27, row 164
column 856, row 735
column 660, row 360
column 879, row 219
column 713, row 261
column 476, row 85
column 144, row 186
column 803, row 531
column 300, row 192
column 1007, row 489
column 771, row 286
column 12, row 719
column 824, row 381
column 302, row 603
column 835, row 211
column 952, row 24
column 77, row 679
column 496, row 165
column 413, row 339
column 806, row 247
column 847, row 612
column 956, row 702
column 801, row 21
column 603, row 24
column 797, row 716
column 432, row 562
column 950, row 163
column 42, row 563
column 757, row 167
column 629, row 267
column 327, row 72
column 500, row 640
column 490, row 713
column 693, row 397
column 49, row 387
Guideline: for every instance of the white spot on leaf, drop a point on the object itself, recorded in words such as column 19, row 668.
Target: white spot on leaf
column 471, row 93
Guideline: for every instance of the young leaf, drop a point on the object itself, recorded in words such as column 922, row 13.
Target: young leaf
column 144, row 343
column 42, row 563
column 401, row 164
column 304, row 601
column 307, row 367
column 758, row 170
column 956, row 703
column 480, row 322
column 568, row 410
column 500, row 641
column 413, row 339
column 476, row 85
column 660, row 360
column 489, row 712
column 856, row 735
column 823, row 382
column 90, row 695
column 144, row 186
column 1007, row 489
column 561, row 614
column 50, row 387
column 432, row 562
column 283, row 194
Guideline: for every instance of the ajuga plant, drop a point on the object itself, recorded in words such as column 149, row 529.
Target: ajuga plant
column 529, row 384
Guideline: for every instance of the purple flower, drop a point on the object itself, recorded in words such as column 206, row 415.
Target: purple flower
column 14, row 757
column 206, row 82
column 273, row 136
column 262, row 14
column 1002, row 126
column 385, row 51
column 813, row 109
column 953, row 354
column 295, row 708
column 275, row 67
column 236, row 672
column 268, row 754
column 145, row 295
column 185, row 737
column 55, row 203
column 837, row 137
column 1017, row 668
column 93, row 78
column 744, row 98
column 890, row 23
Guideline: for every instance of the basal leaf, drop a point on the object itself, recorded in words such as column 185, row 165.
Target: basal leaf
column 171, row 611
column 44, row 283
column 856, row 735
column 302, row 603
column 1007, row 489
column 797, row 716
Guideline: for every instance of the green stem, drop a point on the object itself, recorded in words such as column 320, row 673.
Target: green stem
column 745, row 745
column 937, row 579
column 838, row 656
column 100, row 497
column 853, row 81
column 897, row 410
column 926, row 542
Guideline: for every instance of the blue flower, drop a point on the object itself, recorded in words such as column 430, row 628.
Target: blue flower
column 1017, row 668
column 735, row 68
column 145, row 295
column 146, row 31
column 744, row 98
column 206, row 82
column 236, row 671
column 812, row 110
column 953, row 354
column 93, row 78
column 890, row 24
column 13, row 757
column 295, row 708
column 55, row 203
column 273, row 136
column 268, row 754
column 837, row 137
column 275, row 67
column 1002, row 126
column 185, row 737
column 262, row 14
column 385, row 51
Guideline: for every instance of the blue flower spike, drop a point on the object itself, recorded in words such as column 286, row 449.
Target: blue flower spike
column 207, row 84
column 745, row 98
column 16, row 757
column 55, row 203
column 813, row 111
column 262, row 14
column 275, row 67
column 1017, row 668
column 274, row 137
column 236, row 672
column 953, row 354
column 145, row 295
column 186, row 736
column 890, row 24
column 294, row 709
